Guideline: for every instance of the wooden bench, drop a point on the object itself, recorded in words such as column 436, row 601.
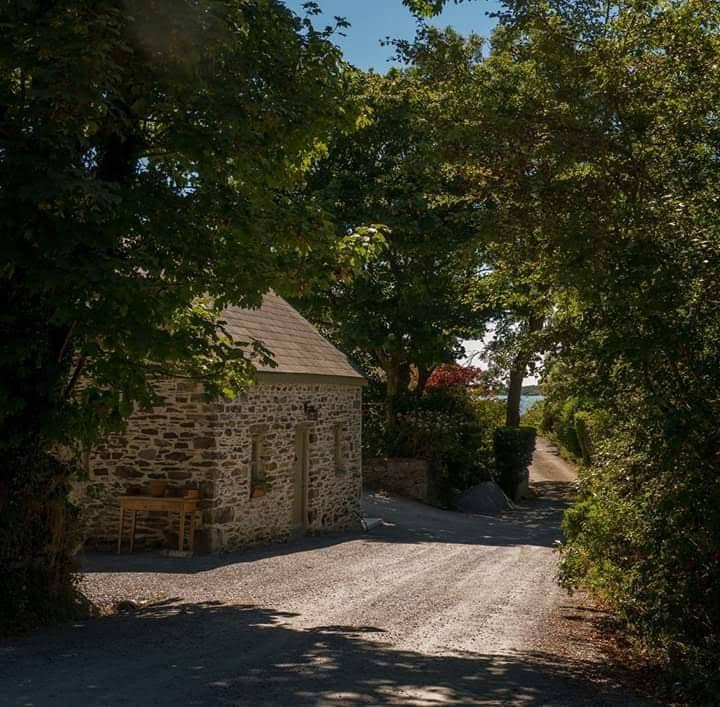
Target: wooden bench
column 182, row 506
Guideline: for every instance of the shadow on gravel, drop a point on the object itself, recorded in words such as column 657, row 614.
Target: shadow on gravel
column 210, row 653
column 535, row 522
column 153, row 561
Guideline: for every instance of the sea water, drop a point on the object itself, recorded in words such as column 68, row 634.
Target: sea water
column 526, row 401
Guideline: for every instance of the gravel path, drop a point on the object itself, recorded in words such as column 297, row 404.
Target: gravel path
column 432, row 608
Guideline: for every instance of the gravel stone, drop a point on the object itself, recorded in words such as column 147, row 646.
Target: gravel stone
column 434, row 607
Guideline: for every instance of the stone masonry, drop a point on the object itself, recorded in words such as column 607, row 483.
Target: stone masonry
column 208, row 446
column 405, row 477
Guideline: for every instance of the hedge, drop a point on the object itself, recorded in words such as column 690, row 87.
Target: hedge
column 513, row 448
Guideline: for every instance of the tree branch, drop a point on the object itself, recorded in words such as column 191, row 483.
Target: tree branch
column 74, row 378
column 66, row 342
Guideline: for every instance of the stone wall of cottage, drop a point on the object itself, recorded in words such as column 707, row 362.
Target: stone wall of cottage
column 274, row 413
column 195, row 444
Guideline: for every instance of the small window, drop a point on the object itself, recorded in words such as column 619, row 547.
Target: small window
column 339, row 449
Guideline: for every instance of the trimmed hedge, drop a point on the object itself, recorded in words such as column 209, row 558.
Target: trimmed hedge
column 513, row 448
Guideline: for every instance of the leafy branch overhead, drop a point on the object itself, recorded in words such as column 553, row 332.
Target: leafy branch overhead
column 149, row 155
column 152, row 165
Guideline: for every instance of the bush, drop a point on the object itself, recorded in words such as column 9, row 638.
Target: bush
column 565, row 427
column 644, row 538
column 425, row 434
column 490, row 413
column 582, row 434
column 514, row 448
column 374, row 430
column 559, row 409
column 591, row 428
column 569, row 423
column 447, row 426
column 644, row 535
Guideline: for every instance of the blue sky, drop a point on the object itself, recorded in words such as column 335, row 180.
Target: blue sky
column 373, row 20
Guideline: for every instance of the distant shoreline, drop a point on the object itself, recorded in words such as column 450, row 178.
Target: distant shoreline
column 526, row 390
column 526, row 401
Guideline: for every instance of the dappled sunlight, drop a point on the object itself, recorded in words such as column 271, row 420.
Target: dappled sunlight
column 210, row 653
column 433, row 607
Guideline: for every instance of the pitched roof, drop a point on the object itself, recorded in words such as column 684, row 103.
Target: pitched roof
column 297, row 347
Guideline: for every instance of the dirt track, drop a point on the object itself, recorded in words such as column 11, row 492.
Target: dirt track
column 432, row 608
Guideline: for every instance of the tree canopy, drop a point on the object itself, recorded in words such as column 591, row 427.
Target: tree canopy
column 596, row 129
column 152, row 159
column 410, row 306
column 149, row 154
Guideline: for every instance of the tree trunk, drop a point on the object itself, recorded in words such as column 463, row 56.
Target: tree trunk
column 405, row 376
column 392, row 386
column 397, row 380
column 517, row 375
column 38, row 535
column 38, row 528
column 423, row 375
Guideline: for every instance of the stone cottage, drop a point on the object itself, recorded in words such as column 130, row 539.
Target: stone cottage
column 281, row 459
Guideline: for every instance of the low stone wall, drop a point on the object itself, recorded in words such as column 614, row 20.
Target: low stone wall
column 404, row 477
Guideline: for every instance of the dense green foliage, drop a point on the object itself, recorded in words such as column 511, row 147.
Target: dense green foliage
column 643, row 534
column 559, row 418
column 533, row 416
column 151, row 164
column 644, row 537
column 513, row 448
column 408, row 309
column 450, row 427
column 595, row 138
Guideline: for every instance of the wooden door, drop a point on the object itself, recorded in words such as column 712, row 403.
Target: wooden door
column 300, row 482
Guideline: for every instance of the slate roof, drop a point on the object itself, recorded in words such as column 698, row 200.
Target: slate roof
column 296, row 345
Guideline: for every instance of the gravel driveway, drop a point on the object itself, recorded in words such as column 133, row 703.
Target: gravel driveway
column 432, row 608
